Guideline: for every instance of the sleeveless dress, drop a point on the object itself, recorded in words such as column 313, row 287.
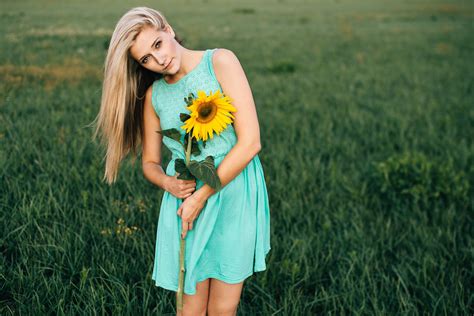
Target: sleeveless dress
column 231, row 236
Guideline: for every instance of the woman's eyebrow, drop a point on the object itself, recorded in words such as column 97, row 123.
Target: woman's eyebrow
column 153, row 44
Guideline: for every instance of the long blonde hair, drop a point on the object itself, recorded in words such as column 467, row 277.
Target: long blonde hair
column 120, row 119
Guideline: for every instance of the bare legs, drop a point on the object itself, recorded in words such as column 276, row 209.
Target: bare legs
column 224, row 298
column 213, row 296
column 196, row 304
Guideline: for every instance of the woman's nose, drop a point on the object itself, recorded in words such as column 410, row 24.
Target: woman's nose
column 159, row 59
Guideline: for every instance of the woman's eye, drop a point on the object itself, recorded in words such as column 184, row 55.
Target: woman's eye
column 144, row 60
column 156, row 45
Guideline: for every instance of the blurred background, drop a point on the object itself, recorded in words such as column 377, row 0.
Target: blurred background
column 366, row 117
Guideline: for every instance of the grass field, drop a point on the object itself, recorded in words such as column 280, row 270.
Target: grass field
column 367, row 122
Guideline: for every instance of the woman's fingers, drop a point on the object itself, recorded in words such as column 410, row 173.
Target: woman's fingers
column 184, row 196
column 189, row 190
column 186, row 226
column 188, row 185
column 184, row 231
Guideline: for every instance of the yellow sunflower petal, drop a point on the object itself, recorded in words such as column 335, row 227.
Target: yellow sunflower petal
column 201, row 94
column 205, row 127
column 221, row 121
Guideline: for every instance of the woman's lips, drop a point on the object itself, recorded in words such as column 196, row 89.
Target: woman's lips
column 169, row 64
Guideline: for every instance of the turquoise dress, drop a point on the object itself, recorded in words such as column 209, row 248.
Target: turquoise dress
column 231, row 236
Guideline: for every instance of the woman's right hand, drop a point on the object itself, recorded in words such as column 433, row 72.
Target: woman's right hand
column 180, row 188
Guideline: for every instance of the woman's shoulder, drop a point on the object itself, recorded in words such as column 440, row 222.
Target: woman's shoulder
column 150, row 94
column 149, row 90
column 223, row 55
column 224, row 60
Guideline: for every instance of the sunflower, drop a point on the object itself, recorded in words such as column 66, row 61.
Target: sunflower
column 209, row 114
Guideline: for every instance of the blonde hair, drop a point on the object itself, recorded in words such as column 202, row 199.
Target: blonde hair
column 120, row 119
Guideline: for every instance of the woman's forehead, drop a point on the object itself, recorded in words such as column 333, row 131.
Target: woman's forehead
column 143, row 40
column 147, row 31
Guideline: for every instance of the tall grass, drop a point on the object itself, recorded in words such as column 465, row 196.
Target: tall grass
column 366, row 117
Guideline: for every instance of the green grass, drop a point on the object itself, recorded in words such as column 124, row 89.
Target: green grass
column 367, row 119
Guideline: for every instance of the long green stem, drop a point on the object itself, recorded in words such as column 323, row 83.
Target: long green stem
column 188, row 150
column 182, row 247
column 179, row 301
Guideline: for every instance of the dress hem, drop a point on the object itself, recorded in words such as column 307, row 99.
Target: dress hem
column 211, row 275
column 217, row 276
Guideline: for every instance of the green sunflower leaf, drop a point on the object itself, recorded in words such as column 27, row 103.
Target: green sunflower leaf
column 206, row 172
column 184, row 173
column 184, row 117
column 189, row 99
column 172, row 133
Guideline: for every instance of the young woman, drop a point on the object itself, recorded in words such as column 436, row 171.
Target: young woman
column 148, row 73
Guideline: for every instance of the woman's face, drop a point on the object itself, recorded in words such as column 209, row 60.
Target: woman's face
column 157, row 50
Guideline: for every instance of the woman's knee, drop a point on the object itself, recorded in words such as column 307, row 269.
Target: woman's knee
column 222, row 309
column 196, row 304
column 224, row 298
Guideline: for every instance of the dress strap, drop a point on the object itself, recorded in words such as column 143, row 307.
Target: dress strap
column 210, row 67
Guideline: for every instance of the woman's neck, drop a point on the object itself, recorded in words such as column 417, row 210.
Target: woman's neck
column 189, row 60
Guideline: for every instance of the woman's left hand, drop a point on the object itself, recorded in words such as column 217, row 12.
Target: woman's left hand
column 189, row 210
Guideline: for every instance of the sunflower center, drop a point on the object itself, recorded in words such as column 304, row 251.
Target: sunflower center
column 206, row 112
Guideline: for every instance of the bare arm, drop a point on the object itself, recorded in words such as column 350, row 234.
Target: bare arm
column 234, row 84
column 151, row 142
column 151, row 155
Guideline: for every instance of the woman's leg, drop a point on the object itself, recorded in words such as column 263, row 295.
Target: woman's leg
column 196, row 304
column 224, row 298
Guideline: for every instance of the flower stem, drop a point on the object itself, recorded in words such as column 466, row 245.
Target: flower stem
column 188, row 150
column 179, row 301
